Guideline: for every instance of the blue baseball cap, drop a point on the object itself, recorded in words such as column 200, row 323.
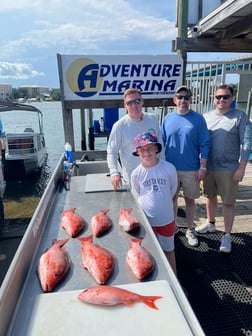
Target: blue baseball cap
column 144, row 139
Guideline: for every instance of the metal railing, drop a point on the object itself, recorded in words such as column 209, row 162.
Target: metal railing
column 204, row 77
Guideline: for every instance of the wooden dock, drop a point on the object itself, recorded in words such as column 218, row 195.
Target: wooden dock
column 243, row 218
column 223, row 280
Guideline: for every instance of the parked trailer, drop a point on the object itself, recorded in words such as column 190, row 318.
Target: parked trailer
column 26, row 310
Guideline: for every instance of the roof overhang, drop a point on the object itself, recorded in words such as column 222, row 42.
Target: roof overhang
column 228, row 28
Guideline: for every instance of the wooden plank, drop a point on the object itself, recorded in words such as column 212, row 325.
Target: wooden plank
column 243, row 214
column 206, row 44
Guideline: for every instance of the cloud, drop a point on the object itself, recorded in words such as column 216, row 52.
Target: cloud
column 36, row 31
column 17, row 71
column 92, row 32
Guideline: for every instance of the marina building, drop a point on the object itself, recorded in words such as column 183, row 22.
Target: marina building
column 5, row 91
column 34, row 91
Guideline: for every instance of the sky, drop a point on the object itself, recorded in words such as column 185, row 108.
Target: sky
column 34, row 32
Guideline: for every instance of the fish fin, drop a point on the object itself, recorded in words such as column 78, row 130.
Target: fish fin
column 150, row 301
column 68, row 210
column 83, row 240
column 60, row 242
column 104, row 211
column 136, row 240
column 129, row 210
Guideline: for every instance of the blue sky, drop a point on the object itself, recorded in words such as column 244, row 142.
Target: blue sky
column 33, row 32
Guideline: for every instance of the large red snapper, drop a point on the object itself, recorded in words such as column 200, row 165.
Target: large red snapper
column 126, row 220
column 139, row 259
column 53, row 265
column 72, row 222
column 100, row 223
column 97, row 260
column 112, row 296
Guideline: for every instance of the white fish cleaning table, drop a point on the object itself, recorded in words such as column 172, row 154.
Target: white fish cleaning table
column 34, row 305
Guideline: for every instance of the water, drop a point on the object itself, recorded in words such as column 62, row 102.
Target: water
column 21, row 197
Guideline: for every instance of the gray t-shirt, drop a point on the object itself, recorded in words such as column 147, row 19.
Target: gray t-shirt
column 230, row 139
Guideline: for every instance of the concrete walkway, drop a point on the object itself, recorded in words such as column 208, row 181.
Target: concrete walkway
column 243, row 218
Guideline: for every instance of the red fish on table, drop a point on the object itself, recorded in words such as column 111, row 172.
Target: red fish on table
column 112, row 296
column 139, row 259
column 72, row 222
column 53, row 265
column 126, row 220
column 100, row 223
column 97, row 260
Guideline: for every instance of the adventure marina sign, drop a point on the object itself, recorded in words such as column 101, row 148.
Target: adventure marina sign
column 107, row 77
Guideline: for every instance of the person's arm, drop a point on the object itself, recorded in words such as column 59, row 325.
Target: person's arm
column 134, row 183
column 112, row 158
column 245, row 136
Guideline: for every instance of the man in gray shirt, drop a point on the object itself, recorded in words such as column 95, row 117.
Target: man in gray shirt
column 230, row 144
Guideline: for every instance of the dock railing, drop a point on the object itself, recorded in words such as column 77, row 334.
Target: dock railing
column 204, row 77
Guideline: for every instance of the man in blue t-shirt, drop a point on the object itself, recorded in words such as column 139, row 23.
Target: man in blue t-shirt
column 186, row 145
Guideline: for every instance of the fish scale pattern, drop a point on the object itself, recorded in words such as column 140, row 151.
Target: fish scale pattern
column 218, row 284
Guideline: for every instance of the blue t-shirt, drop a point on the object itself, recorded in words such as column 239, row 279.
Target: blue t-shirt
column 186, row 139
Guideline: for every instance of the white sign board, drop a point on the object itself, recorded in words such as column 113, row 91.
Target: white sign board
column 107, row 77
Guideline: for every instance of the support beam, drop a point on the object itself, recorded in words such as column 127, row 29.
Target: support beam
column 182, row 9
column 207, row 44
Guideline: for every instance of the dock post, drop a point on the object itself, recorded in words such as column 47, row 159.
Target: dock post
column 91, row 129
column 83, row 129
column 182, row 23
column 91, row 138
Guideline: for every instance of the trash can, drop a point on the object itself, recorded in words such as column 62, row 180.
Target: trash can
column 110, row 115
column 97, row 127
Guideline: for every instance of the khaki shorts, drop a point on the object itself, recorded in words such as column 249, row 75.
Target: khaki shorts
column 188, row 183
column 221, row 183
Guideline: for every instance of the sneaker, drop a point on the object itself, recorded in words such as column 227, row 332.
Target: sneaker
column 225, row 245
column 191, row 238
column 205, row 227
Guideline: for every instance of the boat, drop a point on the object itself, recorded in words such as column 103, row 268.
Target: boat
column 23, row 144
column 26, row 310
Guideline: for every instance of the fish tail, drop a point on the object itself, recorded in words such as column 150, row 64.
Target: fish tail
column 150, row 301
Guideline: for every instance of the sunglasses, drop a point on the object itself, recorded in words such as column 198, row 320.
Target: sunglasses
column 180, row 97
column 134, row 101
column 222, row 96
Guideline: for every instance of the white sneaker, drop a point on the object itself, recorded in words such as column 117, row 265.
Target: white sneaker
column 191, row 238
column 225, row 245
column 205, row 227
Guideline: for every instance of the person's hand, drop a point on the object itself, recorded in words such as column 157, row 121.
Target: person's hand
column 238, row 175
column 116, row 181
column 200, row 175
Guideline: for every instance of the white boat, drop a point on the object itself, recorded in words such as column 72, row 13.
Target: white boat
column 23, row 148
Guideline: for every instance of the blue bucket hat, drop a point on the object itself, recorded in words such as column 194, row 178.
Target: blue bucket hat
column 144, row 139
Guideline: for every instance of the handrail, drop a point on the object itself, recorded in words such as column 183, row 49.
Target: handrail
column 249, row 103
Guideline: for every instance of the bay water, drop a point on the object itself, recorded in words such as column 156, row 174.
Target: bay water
column 22, row 196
